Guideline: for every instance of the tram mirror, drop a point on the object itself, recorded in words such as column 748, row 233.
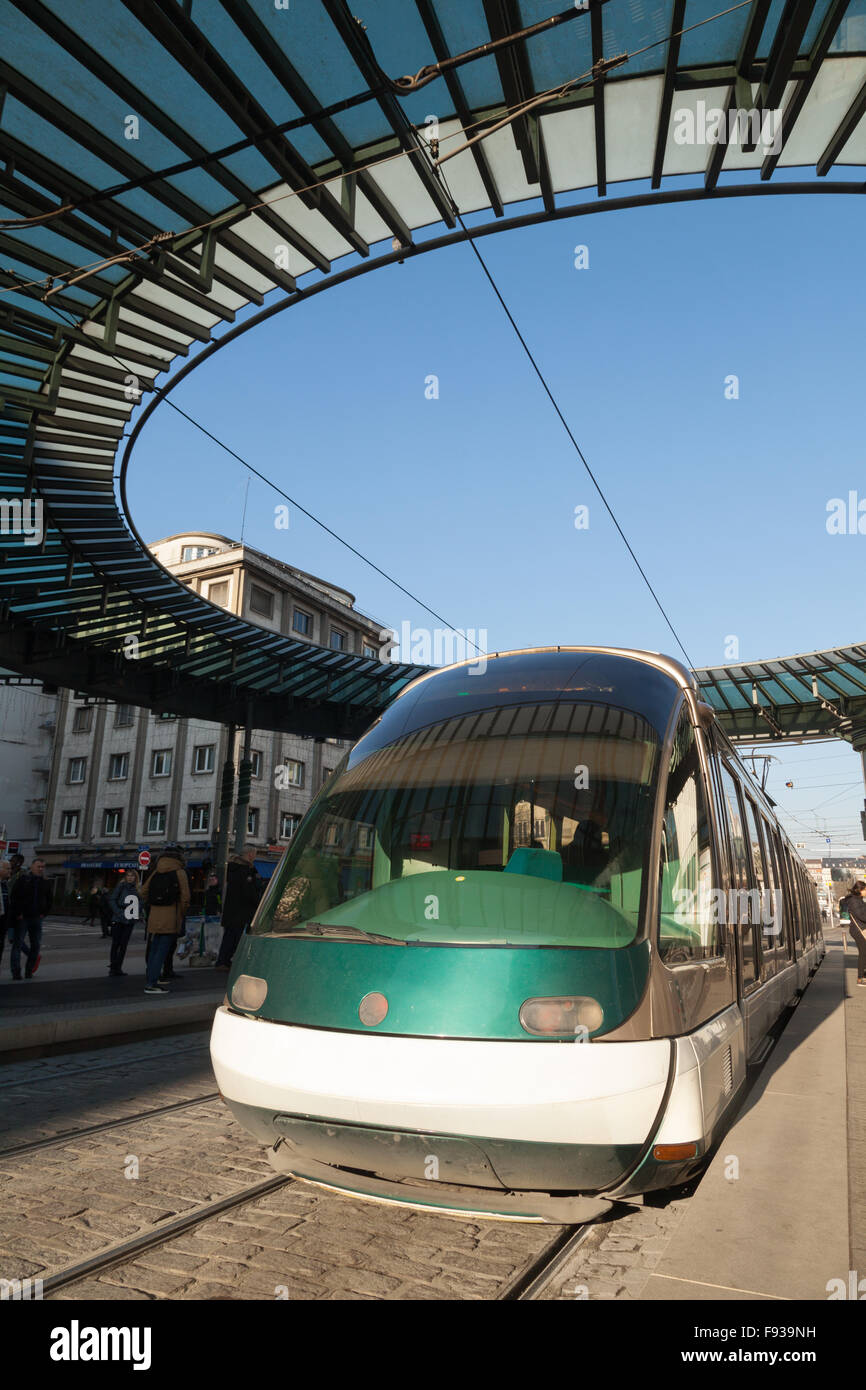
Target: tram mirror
column 706, row 714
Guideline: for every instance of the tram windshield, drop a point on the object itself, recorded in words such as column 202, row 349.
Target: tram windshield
column 524, row 825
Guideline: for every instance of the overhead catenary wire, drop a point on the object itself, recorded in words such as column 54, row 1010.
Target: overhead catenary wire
column 553, row 401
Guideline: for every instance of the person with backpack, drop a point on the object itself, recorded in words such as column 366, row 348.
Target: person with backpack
column 126, row 914
column 855, row 905
column 166, row 892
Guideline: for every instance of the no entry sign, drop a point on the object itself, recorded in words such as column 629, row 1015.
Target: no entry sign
column 144, row 859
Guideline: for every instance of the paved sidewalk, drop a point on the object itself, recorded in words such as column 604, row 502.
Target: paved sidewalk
column 73, row 998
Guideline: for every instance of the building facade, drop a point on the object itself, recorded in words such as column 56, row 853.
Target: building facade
column 28, row 720
column 122, row 778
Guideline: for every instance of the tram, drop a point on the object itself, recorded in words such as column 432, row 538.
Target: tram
column 522, row 947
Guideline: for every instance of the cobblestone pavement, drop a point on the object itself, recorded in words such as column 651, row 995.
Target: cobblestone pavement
column 51, row 1095
column 620, row 1254
column 75, row 1200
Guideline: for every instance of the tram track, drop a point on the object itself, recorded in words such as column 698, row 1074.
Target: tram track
column 69, row 1135
column 158, row 1235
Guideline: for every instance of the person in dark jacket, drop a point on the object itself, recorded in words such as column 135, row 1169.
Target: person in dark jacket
column 244, row 888
column 855, row 906
column 126, row 913
column 212, row 899
column 5, row 918
column 105, row 913
column 29, row 902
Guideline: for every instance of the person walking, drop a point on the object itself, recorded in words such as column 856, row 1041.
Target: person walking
column 29, row 903
column 105, row 914
column 126, row 914
column 244, row 888
column 92, row 908
column 855, row 905
column 166, row 892
column 5, row 918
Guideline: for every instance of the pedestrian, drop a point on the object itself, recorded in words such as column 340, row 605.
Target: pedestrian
column 855, row 906
column 126, row 915
column 244, row 888
column 92, row 907
column 212, row 899
column 29, row 902
column 5, row 917
column 105, row 913
column 166, row 892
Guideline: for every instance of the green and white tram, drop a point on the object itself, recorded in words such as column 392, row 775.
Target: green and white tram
column 522, row 947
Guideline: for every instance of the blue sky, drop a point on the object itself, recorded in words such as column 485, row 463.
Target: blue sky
column 468, row 499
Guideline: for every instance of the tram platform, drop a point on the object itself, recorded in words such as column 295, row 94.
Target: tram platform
column 781, row 1211
column 72, row 999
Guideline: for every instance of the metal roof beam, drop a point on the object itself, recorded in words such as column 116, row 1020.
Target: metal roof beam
column 668, row 89
column 259, row 38
column 786, row 46
column 842, row 133
column 462, row 109
column 820, row 48
column 184, row 40
column 150, row 111
column 356, row 41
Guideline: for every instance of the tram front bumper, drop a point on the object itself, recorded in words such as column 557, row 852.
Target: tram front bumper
column 493, row 1116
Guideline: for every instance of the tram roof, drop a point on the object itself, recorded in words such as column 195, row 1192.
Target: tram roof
column 155, row 157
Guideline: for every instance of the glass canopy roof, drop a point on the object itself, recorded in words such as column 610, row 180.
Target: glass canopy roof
column 167, row 163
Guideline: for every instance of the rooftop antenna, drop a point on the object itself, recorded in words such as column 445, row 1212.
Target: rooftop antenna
column 244, row 516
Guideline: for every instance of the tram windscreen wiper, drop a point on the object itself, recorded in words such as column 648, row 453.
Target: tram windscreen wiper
column 344, row 932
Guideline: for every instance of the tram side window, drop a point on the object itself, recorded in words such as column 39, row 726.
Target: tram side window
column 759, row 896
column 688, row 927
column 796, row 903
column 779, row 932
column 740, row 878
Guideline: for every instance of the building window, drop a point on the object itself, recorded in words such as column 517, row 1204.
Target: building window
column 253, row 820
column 70, row 824
column 154, row 821
column 219, row 593
column 261, row 601
column 302, row 622
column 164, row 717
column 196, row 552
column 203, row 757
column 198, row 818
column 111, row 822
column 82, row 722
column 288, row 825
column 291, row 774
column 123, row 716
column 118, row 767
column 369, row 651
column 77, row 770
column 256, row 760
column 338, row 640
column 160, row 765
column 365, row 837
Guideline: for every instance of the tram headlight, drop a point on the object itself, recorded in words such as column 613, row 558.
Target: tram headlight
column 249, row 992
column 570, row 1013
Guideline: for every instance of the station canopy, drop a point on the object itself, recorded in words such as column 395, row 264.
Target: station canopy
column 173, row 171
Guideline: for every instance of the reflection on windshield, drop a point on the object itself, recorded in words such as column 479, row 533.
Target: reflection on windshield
column 526, row 824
